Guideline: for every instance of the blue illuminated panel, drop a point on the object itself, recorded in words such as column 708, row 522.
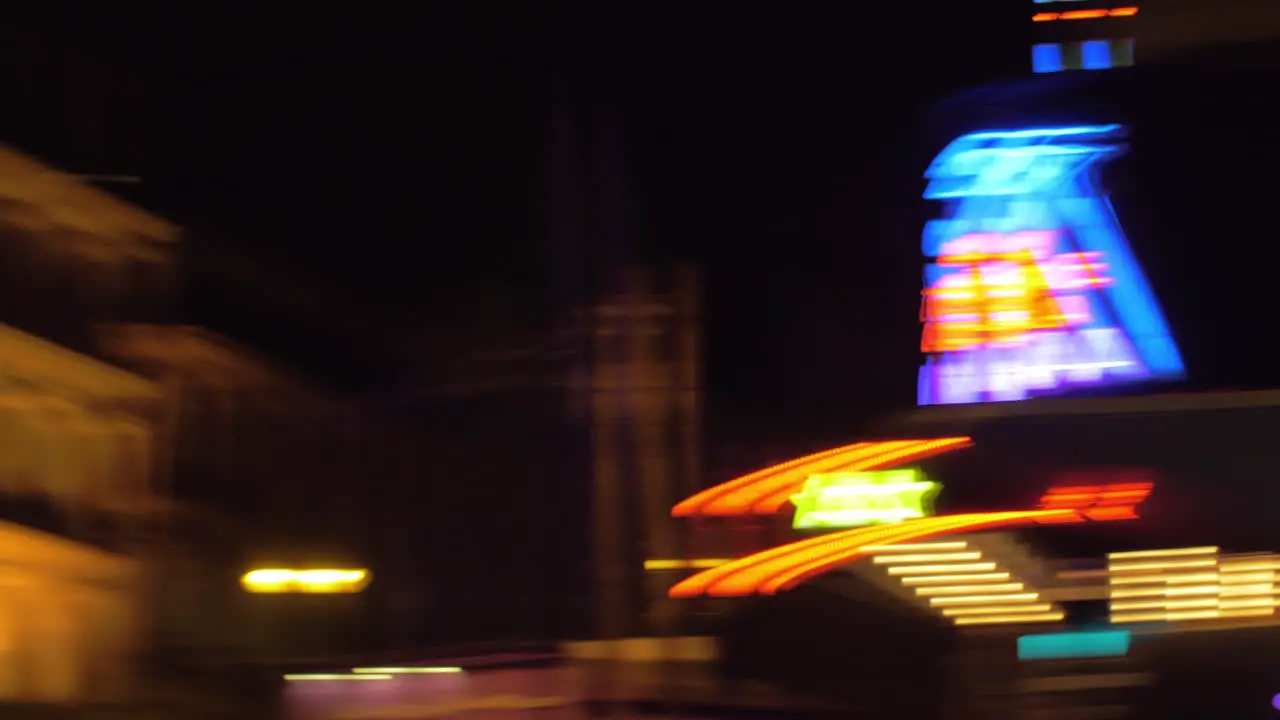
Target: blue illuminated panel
column 1031, row 287
column 1074, row 645
column 1095, row 54
column 1088, row 55
column 1047, row 58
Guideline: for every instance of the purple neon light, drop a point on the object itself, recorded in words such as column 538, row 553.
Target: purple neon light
column 1087, row 351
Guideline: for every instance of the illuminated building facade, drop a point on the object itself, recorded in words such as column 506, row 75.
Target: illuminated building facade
column 77, row 483
column 1101, row 526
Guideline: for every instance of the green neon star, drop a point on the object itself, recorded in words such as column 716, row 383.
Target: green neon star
column 867, row 498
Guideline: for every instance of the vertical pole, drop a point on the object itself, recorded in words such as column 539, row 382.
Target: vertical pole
column 650, row 379
column 609, row 518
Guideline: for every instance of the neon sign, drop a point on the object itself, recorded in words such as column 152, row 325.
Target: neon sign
column 1111, row 501
column 1032, row 288
column 854, row 499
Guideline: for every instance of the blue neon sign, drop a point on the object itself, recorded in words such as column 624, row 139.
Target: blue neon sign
column 1033, row 191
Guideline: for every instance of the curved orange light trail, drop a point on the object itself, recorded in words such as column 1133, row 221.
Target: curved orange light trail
column 786, row 566
column 766, row 491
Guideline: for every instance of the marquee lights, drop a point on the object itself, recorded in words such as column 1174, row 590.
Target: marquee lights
column 865, row 498
column 1032, row 288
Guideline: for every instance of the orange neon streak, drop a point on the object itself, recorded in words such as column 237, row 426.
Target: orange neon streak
column 982, row 311
column 766, row 491
column 752, row 579
column 700, row 501
column 699, row 584
column 1102, row 502
column 784, row 567
column 892, row 457
column 912, row 531
column 1084, row 14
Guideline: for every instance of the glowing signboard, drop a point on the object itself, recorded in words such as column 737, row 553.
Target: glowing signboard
column 1074, row 645
column 1031, row 288
column 853, row 499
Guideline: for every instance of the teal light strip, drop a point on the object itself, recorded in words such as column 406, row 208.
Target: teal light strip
column 1071, row 645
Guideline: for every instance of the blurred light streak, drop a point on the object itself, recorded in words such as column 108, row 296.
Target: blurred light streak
column 784, row 567
column 306, row 677
column 318, row 581
column 694, row 564
column 1013, row 619
column 1141, row 590
column 766, row 491
column 437, row 670
column 1084, row 14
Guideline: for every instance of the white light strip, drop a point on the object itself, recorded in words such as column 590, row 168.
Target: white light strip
column 967, row 578
column 997, row 609
column 985, row 599
column 970, row 589
column 926, row 558
column 1011, row 619
column 916, row 547
column 1176, row 552
column 930, row 569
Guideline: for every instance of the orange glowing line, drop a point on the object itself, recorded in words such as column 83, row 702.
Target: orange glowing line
column 1104, row 502
column 810, row 564
column 752, row 578
column 1084, row 14
column 697, row 584
column 744, row 501
column 785, row 566
column 767, row 491
column 694, row 504
column 893, row 457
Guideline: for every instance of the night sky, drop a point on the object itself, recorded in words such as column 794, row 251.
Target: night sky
column 379, row 181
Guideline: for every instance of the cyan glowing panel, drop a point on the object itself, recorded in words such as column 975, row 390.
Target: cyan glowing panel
column 1031, row 288
column 854, row 499
column 1073, row 645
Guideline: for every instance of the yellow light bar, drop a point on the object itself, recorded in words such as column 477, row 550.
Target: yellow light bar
column 333, row 676
column 1191, row 615
column 695, row 564
column 327, row 581
column 1171, row 564
column 926, row 557
column 1011, row 619
column 965, row 577
column 1012, row 587
column 916, row 547
column 1176, row 552
column 441, row 670
column 1171, row 579
column 985, row 599
column 1227, row 590
column 930, row 569
column 997, row 609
